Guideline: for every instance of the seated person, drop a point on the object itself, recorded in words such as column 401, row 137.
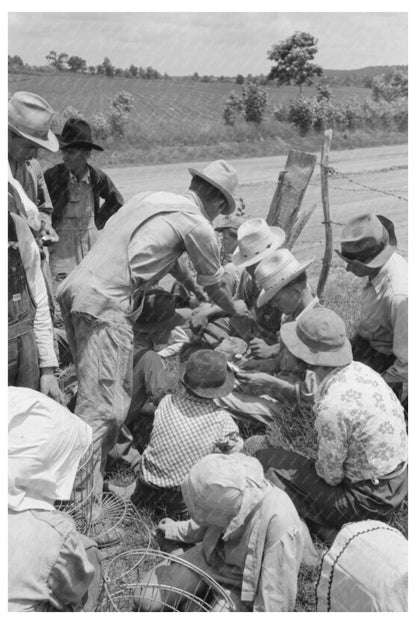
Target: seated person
column 51, row 566
column 150, row 384
column 361, row 467
column 369, row 247
column 256, row 240
column 284, row 287
column 247, row 536
column 185, row 429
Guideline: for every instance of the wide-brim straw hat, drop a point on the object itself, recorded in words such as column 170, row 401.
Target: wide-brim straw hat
column 206, row 374
column 256, row 240
column 223, row 176
column 319, row 338
column 30, row 116
column 276, row 271
column 368, row 241
column 77, row 133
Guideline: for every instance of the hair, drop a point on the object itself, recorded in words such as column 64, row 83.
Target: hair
column 232, row 231
column 206, row 191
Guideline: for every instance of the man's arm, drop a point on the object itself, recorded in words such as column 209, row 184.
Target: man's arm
column 182, row 273
column 113, row 199
column 332, row 444
column 397, row 372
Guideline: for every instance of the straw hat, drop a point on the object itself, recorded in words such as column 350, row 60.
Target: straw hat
column 256, row 240
column 276, row 271
column 221, row 175
column 318, row 337
column 30, row 116
column 206, row 374
column 368, row 240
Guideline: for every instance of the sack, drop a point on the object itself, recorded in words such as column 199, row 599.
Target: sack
column 364, row 570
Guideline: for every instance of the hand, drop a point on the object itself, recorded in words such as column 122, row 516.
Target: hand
column 49, row 385
column 200, row 294
column 261, row 349
column 163, row 524
column 200, row 317
column 266, row 366
column 257, row 383
column 240, row 308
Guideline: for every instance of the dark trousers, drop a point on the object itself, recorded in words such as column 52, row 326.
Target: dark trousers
column 331, row 505
column 23, row 364
column 165, row 500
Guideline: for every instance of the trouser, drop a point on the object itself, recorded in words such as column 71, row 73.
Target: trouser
column 102, row 353
column 331, row 505
column 23, row 362
column 155, row 595
column 167, row 500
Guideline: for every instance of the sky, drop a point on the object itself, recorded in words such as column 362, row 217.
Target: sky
column 218, row 43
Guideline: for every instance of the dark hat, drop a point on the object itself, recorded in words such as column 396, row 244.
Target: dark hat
column 159, row 312
column 368, row 240
column 77, row 133
column 318, row 337
column 206, row 374
column 232, row 222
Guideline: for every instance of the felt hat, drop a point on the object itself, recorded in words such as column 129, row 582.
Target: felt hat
column 229, row 223
column 30, row 117
column 368, row 240
column 318, row 337
column 206, row 374
column 276, row 271
column 221, row 175
column 159, row 312
column 256, row 240
column 77, row 133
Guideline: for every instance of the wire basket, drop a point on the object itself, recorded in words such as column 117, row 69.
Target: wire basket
column 129, row 586
column 80, row 504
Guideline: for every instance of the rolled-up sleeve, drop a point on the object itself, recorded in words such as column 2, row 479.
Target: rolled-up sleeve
column 397, row 372
column 187, row 531
column 202, row 247
column 30, row 255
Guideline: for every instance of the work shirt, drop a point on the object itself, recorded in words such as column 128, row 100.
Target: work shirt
column 262, row 556
column 383, row 319
column 48, row 566
column 360, row 426
column 30, row 176
column 76, row 228
column 29, row 253
column 267, row 318
column 138, row 246
column 185, row 429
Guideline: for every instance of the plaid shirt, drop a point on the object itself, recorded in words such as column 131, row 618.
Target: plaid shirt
column 185, row 429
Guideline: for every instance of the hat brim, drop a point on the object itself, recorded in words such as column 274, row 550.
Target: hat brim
column 279, row 238
column 51, row 143
column 85, row 144
column 181, row 316
column 230, row 199
column 212, row 393
column 299, row 349
column 384, row 255
column 266, row 295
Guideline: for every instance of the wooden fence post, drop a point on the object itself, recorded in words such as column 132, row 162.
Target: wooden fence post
column 326, row 262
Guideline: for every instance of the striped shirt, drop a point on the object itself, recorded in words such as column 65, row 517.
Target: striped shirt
column 185, row 429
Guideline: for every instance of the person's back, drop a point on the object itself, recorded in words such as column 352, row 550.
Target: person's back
column 48, row 566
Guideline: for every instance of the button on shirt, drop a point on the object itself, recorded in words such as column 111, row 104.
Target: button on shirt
column 384, row 316
column 185, row 429
column 360, row 426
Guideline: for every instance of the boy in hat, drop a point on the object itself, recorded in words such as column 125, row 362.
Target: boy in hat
column 361, row 467
column 247, row 536
column 186, row 428
column 103, row 296
column 368, row 246
column 76, row 188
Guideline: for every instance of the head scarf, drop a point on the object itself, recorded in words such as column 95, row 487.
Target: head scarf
column 46, row 443
column 222, row 490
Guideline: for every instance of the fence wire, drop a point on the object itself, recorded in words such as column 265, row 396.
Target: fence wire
column 333, row 172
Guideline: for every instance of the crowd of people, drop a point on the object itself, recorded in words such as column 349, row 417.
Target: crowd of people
column 84, row 287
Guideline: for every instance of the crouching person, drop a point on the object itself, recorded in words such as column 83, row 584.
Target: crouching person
column 247, row 536
column 51, row 566
column 361, row 468
column 185, row 429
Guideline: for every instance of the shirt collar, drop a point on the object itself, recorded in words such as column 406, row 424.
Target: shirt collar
column 198, row 202
column 377, row 280
column 85, row 177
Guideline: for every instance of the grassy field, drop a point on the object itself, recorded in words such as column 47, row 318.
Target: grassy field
column 175, row 121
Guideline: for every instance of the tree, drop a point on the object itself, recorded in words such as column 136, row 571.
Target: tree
column 76, row 64
column 390, row 86
column 57, row 60
column 195, row 76
column 108, row 67
column 134, row 70
column 91, row 70
column 239, row 79
column 294, row 60
column 15, row 61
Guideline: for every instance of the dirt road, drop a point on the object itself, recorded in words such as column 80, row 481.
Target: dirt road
column 382, row 168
